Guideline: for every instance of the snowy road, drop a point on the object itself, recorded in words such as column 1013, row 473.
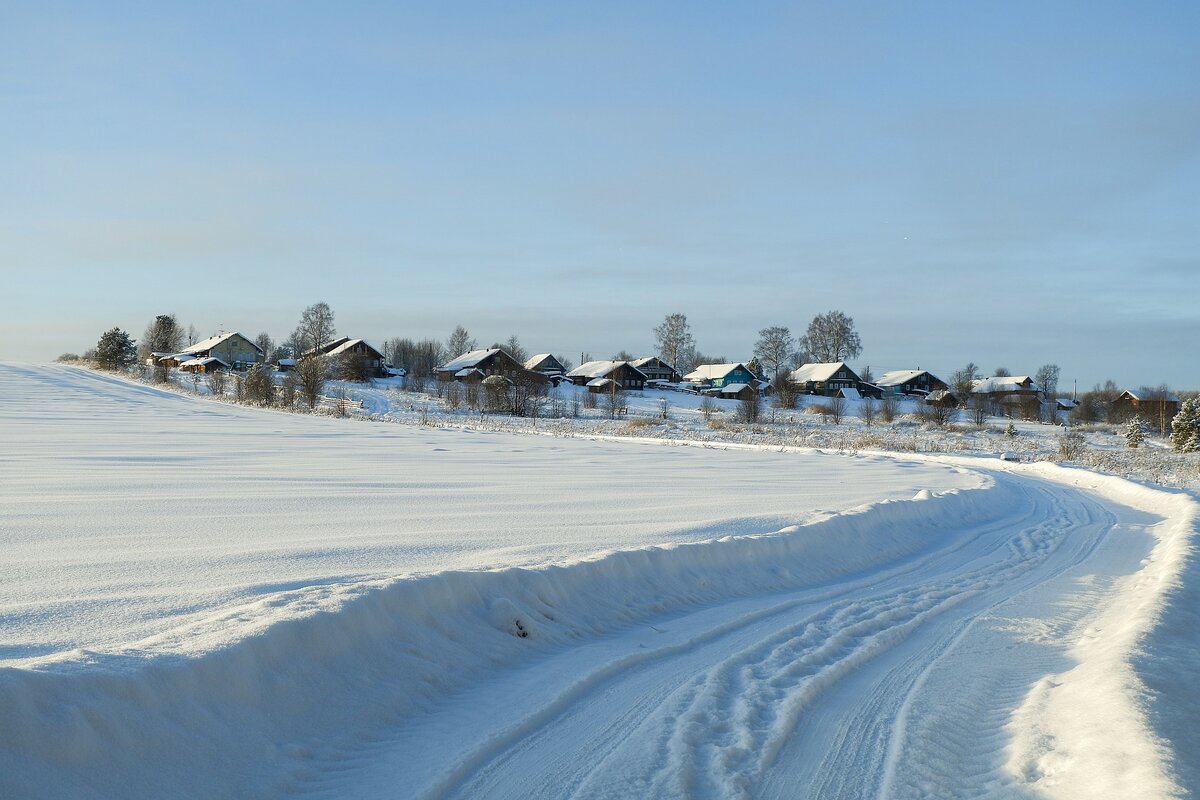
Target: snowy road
column 900, row 683
column 792, row 625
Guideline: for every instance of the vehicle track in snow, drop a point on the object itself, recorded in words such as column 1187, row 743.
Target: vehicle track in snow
column 896, row 685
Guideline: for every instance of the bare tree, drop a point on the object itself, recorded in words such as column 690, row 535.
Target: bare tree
column 837, row 409
column 567, row 363
column 513, row 347
column 615, row 399
column 1002, row 372
column 867, row 411
column 217, row 380
column 459, row 342
column 266, row 344
column 888, row 407
column 749, row 409
column 676, row 345
column 939, row 414
column 775, row 348
column 310, row 379
column 260, row 385
column 963, row 380
column 784, row 391
column 315, row 329
column 623, row 355
column 708, row 407
column 831, row 337
column 163, row 335
column 353, row 367
column 1047, row 379
column 979, row 410
column 287, row 392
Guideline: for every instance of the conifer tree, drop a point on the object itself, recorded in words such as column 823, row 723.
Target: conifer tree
column 1185, row 427
column 115, row 350
column 1135, row 432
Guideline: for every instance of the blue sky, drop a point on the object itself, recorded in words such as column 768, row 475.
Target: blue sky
column 1011, row 184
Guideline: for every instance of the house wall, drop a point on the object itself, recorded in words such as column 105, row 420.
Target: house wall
column 236, row 351
column 739, row 375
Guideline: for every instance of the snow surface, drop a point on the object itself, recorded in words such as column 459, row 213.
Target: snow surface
column 206, row 600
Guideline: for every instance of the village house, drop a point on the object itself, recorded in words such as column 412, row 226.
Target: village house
column 623, row 373
column 911, row 382
column 1010, row 394
column 376, row 364
column 719, row 375
column 828, row 379
column 655, row 369
column 476, row 365
column 546, row 364
column 1152, row 405
column 223, row 351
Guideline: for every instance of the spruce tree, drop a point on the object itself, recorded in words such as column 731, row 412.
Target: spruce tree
column 115, row 350
column 1135, row 432
column 1185, row 427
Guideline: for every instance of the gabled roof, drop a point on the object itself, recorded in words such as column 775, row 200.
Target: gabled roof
column 899, row 376
column 350, row 344
column 819, row 372
column 203, row 362
column 540, row 359
column 1140, row 395
column 213, row 341
column 1008, row 383
column 641, row 362
column 734, row 388
column 712, row 372
column 600, row 369
column 468, row 360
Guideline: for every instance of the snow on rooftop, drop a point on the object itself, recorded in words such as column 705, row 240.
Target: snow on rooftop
column 816, row 372
column 1007, row 383
column 470, row 359
column 213, row 341
column 596, row 369
column 899, row 376
column 711, row 372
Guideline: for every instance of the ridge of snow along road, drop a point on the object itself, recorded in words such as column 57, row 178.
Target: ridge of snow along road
column 343, row 661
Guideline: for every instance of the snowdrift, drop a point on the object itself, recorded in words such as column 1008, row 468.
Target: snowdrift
column 261, row 715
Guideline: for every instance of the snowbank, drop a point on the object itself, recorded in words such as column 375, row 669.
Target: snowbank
column 254, row 717
column 1096, row 730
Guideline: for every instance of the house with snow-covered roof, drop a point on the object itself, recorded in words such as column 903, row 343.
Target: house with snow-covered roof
column 233, row 350
column 477, row 365
column 655, row 369
column 719, row 375
column 1010, row 394
column 546, row 364
column 828, row 378
column 358, row 348
column 1150, row 404
column 911, row 382
column 623, row 373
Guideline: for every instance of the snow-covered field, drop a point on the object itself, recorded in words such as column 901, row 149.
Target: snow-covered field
column 200, row 599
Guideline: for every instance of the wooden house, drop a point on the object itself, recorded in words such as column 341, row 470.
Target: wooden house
column 737, row 391
column 1152, row 405
column 205, row 364
column 231, row 349
column 480, row 364
column 918, row 382
column 655, row 369
column 376, row 363
column 624, row 373
column 828, row 379
column 546, row 364
column 1010, row 395
column 718, row 375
